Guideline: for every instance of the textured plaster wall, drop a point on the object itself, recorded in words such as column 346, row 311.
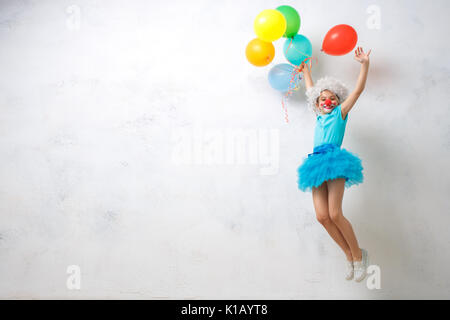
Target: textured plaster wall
column 119, row 126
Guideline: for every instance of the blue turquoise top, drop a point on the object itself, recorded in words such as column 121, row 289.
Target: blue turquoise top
column 330, row 128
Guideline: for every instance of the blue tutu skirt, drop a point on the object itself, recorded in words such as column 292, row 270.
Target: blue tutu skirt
column 328, row 162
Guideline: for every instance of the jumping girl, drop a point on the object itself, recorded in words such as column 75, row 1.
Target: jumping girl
column 330, row 169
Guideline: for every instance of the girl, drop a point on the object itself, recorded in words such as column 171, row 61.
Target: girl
column 330, row 169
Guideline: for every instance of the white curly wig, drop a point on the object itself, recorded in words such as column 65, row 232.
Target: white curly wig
column 326, row 83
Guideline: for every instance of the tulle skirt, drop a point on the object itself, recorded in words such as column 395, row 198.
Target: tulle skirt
column 328, row 162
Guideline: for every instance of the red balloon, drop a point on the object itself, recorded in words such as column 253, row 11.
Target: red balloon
column 340, row 40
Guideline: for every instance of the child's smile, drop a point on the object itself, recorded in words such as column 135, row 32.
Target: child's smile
column 328, row 107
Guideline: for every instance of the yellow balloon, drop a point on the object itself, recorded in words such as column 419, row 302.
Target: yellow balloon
column 270, row 25
column 260, row 53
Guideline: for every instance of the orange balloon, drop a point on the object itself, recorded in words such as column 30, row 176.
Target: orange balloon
column 260, row 53
column 340, row 40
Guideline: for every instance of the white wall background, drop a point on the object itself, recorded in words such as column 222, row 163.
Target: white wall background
column 93, row 94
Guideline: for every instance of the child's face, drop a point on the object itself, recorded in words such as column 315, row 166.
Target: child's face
column 322, row 101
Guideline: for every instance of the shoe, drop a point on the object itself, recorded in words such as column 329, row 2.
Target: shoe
column 361, row 266
column 349, row 270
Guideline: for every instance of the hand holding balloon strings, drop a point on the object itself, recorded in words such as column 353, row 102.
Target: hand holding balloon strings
column 296, row 68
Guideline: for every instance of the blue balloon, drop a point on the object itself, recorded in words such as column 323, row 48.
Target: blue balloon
column 280, row 77
column 299, row 50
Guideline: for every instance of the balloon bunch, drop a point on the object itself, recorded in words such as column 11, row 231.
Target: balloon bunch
column 271, row 25
column 284, row 21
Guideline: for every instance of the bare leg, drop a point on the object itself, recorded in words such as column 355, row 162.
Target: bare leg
column 336, row 190
column 320, row 200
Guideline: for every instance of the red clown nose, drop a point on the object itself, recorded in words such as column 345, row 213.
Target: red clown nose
column 328, row 102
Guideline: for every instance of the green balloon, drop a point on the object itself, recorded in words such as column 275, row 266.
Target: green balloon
column 293, row 20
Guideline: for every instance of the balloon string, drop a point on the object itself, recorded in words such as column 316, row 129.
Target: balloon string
column 295, row 72
column 292, row 87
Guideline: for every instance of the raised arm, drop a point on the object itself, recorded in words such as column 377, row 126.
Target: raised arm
column 307, row 75
column 362, row 58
